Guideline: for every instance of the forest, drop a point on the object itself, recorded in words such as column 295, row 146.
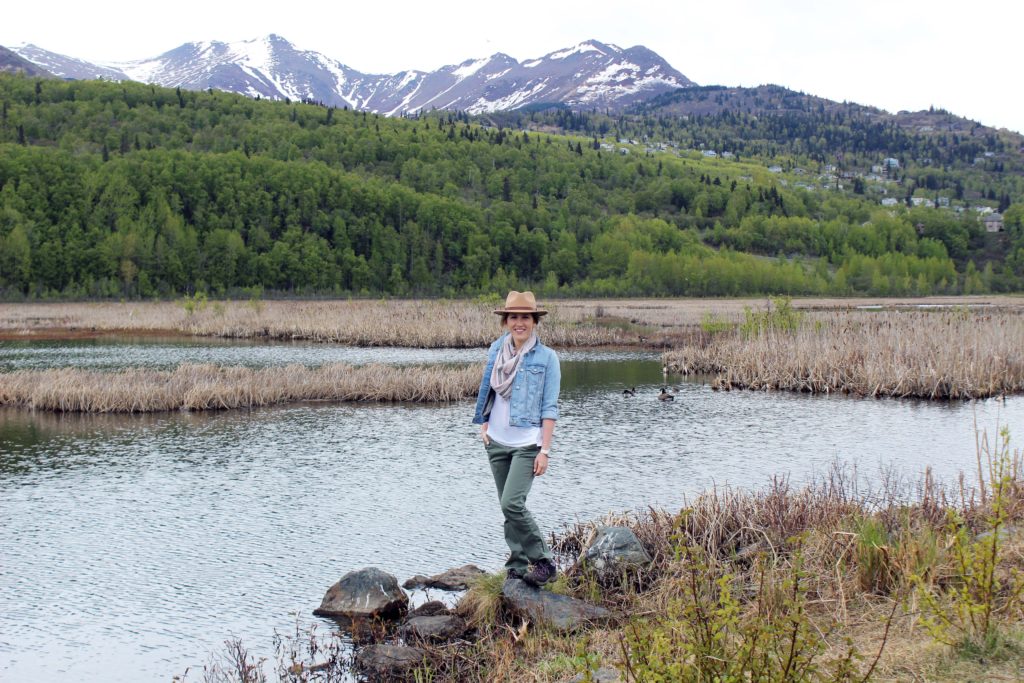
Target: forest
column 125, row 190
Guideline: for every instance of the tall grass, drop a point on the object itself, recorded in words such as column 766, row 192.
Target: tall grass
column 411, row 323
column 405, row 323
column 950, row 354
column 211, row 387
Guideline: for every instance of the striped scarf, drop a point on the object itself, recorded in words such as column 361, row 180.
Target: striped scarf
column 506, row 364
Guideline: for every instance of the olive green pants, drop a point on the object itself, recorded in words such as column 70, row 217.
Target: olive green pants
column 512, row 468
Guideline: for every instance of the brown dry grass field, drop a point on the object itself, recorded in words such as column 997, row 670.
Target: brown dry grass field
column 938, row 354
column 209, row 387
column 412, row 323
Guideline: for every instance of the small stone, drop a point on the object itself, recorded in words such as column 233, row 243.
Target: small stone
column 436, row 629
column 388, row 662
column 364, row 594
column 432, row 608
column 602, row 675
column 458, row 579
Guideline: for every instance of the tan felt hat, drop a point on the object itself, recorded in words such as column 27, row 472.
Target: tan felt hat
column 520, row 302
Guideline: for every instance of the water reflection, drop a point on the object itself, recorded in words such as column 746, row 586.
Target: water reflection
column 133, row 546
column 108, row 353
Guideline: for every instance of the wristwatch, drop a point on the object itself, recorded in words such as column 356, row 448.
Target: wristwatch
column 545, row 452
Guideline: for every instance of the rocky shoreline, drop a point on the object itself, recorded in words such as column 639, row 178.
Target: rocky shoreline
column 390, row 639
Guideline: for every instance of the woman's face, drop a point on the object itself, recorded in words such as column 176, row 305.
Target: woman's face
column 520, row 326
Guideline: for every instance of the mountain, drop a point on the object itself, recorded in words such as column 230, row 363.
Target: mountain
column 67, row 67
column 11, row 62
column 590, row 74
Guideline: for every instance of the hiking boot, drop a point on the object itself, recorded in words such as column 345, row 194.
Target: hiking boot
column 543, row 572
column 513, row 573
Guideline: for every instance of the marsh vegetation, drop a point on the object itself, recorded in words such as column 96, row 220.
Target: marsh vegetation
column 211, row 387
column 935, row 354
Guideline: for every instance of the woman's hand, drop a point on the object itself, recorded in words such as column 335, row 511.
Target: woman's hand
column 483, row 435
column 540, row 464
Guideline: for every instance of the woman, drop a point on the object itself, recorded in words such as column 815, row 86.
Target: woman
column 516, row 409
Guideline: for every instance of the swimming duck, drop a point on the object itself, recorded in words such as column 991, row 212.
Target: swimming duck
column 665, row 396
column 629, row 392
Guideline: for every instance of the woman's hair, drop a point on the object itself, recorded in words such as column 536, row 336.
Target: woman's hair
column 504, row 318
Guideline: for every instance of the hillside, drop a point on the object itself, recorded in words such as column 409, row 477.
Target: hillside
column 937, row 154
column 12, row 62
column 124, row 190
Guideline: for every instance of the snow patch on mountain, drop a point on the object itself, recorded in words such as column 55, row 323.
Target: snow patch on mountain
column 614, row 72
column 578, row 49
column 467, row 69
column 270, row 67
column 516, row 99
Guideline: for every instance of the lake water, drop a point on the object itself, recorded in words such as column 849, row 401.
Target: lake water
column 131, row 547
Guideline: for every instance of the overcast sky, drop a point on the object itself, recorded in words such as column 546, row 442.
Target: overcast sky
column 895, row 54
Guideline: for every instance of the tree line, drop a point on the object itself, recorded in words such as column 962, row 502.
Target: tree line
column 131, row 190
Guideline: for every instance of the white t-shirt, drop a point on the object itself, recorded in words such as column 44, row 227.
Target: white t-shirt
column 499, row 430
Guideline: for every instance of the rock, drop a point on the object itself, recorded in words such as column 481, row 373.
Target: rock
column 748, row 553
column 436, row 629
column 614, row 549
column 452, row 580
column 388, row 662
column 430, row 609
column 602, row 675
column 364, row 594
column 544, row 607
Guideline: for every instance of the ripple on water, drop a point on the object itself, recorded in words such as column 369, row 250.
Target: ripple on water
column 133, row 546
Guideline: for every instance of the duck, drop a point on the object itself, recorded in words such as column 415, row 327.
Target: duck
column 665, row 396
column 631, row 391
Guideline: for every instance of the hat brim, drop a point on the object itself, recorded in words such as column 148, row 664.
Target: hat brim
column 538, row 311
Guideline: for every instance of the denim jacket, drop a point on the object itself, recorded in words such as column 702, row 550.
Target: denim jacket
column 535, row 392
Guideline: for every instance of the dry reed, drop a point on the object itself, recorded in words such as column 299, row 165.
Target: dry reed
column 951, row 354
column 210, row 387
column 410, row 323
column 423, row 324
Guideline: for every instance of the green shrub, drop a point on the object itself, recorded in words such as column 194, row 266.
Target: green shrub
column 780, row 316
column 706, row 636
column 966, row 611
column 712, row 324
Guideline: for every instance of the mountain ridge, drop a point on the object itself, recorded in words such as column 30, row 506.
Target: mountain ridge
column 588, row 74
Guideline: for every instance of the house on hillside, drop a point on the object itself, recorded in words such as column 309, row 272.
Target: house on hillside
column 890, row 201
column 993, row 222
column 890, row 163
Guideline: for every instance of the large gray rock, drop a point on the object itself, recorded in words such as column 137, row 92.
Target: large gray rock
column 388, row 662
column 458, row 579
column 614, row 549
column 436, row 629
column 364, row 594
column 544, row 607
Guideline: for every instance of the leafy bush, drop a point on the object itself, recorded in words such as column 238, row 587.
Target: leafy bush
column 705, row 634
column 966, row 612
column 780, row 316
